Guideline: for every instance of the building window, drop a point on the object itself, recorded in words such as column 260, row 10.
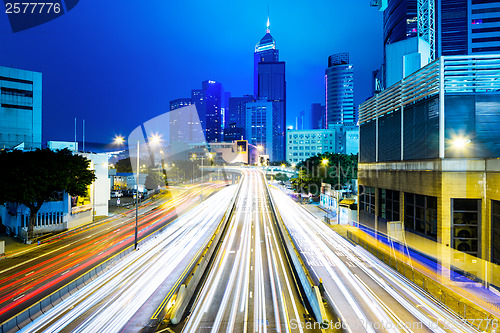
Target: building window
column 388, row 205
column 465, row 225
column 367, row 199
column 495, row 232
column 421, row 214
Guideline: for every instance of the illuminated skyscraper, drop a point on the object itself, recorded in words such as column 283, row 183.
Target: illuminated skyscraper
column 270, row 86
column 339, row 90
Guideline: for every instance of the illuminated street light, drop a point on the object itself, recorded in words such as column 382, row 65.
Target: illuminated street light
column 283, row 165
column 325, row 161
column 119, row 140
column 155, row 138
column 260, row 148
column 460, row 143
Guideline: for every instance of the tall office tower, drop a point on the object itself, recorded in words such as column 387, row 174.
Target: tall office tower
column 299, row 121
column 214, row 98
column 400, row 20
column 179, row 103
column 260, row 129
column 484, row 27
column 235, row 118
column 20, row 109
column 265, row 51
column 317, row 116
column 183, row 125
column 270, row 85
column 451, row 27
column 339, row 90
column 198, row 99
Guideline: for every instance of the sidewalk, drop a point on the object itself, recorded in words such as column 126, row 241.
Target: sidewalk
column 14, row 245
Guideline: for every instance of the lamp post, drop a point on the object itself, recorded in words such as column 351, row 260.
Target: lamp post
column 137, row 198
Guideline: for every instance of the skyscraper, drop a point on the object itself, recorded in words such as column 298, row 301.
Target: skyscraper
column 183, row 125
column 20, row 108
column 317, row 116
column 270, row 86
column 339, row 83
column 214, row 98
column 235, row 118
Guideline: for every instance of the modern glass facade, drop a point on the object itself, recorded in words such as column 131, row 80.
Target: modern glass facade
column 484, row 27
column 452, row 27
column 235, row 123
column 20, row 108
column 270, row 86
column 214, row 105
column 400, row 20
column 339, row 82
column 317, row 116
column 469, row 112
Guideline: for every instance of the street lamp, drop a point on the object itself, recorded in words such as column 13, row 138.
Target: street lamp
column 460, row 143
column 119, row 140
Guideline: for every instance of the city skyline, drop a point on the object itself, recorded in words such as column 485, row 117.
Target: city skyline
column 108, row 94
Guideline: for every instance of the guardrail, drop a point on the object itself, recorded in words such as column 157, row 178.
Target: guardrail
column 309, row 285
column 193, row 279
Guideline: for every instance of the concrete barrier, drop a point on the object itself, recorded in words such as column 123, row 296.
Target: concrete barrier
column 311, row 290
column 192, row 280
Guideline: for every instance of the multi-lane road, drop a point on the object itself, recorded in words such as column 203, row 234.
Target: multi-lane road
column 366, row 295
column 30, row 276
column 250, row 287
column 126, row 297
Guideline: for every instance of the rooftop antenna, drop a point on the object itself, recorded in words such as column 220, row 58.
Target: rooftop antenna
column 268, row 30
column 83, row 139
column 75, row 136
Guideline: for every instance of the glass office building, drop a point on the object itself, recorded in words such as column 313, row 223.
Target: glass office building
column 20, row 109
column 429, row 155
column 339, row 82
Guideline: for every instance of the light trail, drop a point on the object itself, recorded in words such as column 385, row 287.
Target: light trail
column 107, row 303
column 380, row 295
column 38, row 276
column 244, row 290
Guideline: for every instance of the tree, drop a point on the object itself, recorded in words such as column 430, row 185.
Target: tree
column 281, row 177
column 123, row 165
column 335, row 169
column 154, row 179
column 33, row 177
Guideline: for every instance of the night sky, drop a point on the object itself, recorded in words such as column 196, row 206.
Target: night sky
column 117, row 64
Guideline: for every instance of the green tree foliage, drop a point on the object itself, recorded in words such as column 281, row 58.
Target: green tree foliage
column 123, row 165
column 33, row 177
column 154, row 179
column 339, row 170
column 281, row 177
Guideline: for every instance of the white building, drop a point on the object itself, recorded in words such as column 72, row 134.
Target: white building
column 338, row 138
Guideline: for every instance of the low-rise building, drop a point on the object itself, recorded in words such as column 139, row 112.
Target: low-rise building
column 338, row 138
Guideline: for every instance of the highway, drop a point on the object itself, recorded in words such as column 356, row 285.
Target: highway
column 110, row 302
column 367, row 296
column 250, row 287
column 28, row 277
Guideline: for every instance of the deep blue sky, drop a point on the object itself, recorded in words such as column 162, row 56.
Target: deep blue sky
column 118, row 63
